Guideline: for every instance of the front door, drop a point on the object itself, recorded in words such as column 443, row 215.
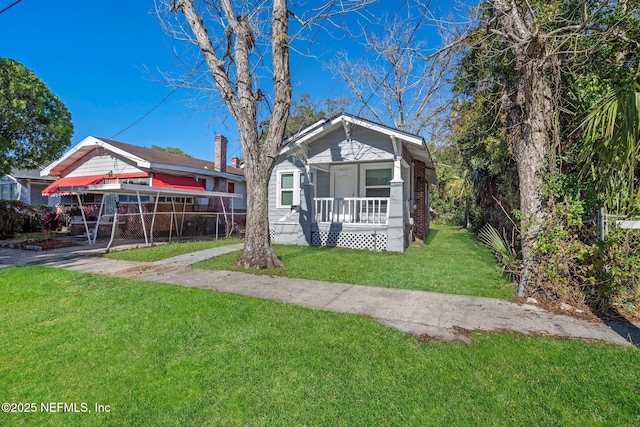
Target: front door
column 344, row 184
column 344, row 181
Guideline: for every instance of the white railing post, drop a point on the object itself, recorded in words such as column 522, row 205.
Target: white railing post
column 353, row 210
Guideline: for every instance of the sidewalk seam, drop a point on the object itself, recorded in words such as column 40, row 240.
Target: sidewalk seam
column 337, row 296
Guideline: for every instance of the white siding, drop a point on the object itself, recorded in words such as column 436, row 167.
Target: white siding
column 365, row 145
column 288, row 164
column 102, row 165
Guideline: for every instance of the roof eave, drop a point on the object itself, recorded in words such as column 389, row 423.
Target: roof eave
column 124, row 188
column 197, row 171
column 81, row 149
column 318, row 128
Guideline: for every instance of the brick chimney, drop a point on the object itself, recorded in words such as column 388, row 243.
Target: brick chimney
column 220, row 158
column 235, row 162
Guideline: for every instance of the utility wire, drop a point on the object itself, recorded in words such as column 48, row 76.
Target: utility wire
column 10, row 6
column 162, row 101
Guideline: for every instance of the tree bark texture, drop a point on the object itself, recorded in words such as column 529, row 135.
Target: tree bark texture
column 530, row 120
column 242, row 101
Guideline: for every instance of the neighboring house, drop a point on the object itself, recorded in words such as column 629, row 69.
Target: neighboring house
column 26, row 185
column 105, row 175
column 350, row 182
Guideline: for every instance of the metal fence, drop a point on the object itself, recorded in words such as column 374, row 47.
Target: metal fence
column 607, row 221
column 172, row 226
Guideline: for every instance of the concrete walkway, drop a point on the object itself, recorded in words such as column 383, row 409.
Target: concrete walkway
column 440, row 316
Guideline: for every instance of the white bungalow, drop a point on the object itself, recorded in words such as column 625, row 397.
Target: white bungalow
column 350, row 182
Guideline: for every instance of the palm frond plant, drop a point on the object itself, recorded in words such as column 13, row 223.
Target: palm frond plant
column 504, row 251
column 612, row 150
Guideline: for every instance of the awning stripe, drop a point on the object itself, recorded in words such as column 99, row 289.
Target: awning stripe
column 68, row 185
column 163, row 180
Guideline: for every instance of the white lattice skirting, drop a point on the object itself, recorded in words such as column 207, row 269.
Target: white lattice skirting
column 370, row 241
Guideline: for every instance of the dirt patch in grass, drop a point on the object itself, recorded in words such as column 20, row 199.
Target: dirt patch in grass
column 582, row 311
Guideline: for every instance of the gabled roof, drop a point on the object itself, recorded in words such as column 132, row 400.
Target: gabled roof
column 415, row 144
column 29, row 174
column 143, row 157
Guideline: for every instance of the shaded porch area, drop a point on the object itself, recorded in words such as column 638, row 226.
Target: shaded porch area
column 372, row 205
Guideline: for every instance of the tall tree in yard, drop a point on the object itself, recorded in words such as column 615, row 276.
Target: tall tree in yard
column 35, row 126
column 537, row 42
column 231, row 38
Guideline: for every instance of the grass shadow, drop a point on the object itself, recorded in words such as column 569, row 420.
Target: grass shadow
column 430, row 236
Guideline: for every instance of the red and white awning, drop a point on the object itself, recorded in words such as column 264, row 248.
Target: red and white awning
column 74, row 184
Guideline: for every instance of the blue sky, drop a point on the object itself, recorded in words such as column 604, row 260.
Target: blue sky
column 94, row 55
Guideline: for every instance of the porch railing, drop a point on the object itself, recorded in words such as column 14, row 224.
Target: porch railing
column 352, row 210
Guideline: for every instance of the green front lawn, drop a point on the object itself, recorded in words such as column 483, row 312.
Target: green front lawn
column 451, row 262
column 167, row 355
column 158, row 252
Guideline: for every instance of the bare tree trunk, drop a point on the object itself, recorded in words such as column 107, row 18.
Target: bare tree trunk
column 530, row 125
column 260, row 159
column 531, row 154
column 257, row 251
column 242, row 101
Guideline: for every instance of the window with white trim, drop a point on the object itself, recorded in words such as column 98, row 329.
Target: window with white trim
column 288, row 187
column 137, row 181
column 377, row 182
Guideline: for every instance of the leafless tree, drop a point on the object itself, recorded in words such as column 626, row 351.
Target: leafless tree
column 400, row 77
column 245, row 45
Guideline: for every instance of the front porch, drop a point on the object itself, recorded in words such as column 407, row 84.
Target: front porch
column 349, row 182
column 364, row 205
column 351, row 222
column 368, row 205
column 351, row 210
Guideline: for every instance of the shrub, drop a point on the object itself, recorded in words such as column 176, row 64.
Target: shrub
column 33, row 216
column 12, row 219
column 620, row 271
column 566, row 256
column 504, row 252
column 18, row 217
column 566, row 265
column 572, row 265
column 51, row 221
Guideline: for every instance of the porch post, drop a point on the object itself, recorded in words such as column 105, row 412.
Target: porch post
column 84, row 218
column 395, row 226
column 153, row 218
column 95, row 234
column 306, row 207
column 144, row 227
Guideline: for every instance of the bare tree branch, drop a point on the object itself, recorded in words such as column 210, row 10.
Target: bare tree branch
column 246, row 45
